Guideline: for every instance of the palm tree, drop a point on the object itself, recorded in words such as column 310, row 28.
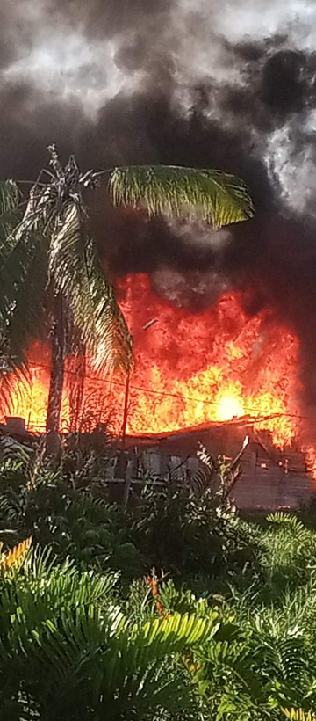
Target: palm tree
column 51, row 279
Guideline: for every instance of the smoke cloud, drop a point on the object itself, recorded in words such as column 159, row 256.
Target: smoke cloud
column 182, row 82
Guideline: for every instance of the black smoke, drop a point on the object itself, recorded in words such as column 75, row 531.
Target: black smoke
column 172, row 108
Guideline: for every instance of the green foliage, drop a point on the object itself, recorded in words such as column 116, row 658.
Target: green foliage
column 73, row 523
column 39, row 501
column 208, row 195
column 261, row 659
column 262, row 662
column 289, row 551
column 227, row 632
column 299, row 715
column 191, row 535
column 63, row 630
column 75, row 266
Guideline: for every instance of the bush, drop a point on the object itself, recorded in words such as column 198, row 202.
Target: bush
column 73, row 522
column 230, row 634
column 192, row 535
column 67, row 650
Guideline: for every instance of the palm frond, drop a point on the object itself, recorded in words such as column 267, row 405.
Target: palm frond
column 9, row 216
column 13, row 377
column 23, row 281
column 299, row 715
column 286, row 521
column 24, row 310
column 77, row 274
column 62, row 627
column 202, row 195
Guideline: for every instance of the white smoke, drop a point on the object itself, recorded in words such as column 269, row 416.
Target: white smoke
column 70, row 67
column 62, row 59
column 291, row 161
column 238, row 20
column 200, row 236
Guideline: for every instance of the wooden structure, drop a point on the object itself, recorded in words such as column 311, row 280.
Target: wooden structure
column 270, row 478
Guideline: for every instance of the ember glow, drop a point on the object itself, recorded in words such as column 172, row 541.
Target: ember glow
column 190, row 368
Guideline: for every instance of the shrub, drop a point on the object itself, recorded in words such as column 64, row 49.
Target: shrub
column 67, row 650
column 191, row 535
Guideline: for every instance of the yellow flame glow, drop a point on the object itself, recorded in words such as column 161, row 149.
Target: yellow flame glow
column 229, row 407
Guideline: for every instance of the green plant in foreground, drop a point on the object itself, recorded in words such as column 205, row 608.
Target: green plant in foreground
column 299, row 715
column 67, row 650
column 230, row 643
column 192, row 535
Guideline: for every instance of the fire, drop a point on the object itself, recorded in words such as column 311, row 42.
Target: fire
column 190, row 368
column 219, row 363
column 29, row 400
column 229, row 407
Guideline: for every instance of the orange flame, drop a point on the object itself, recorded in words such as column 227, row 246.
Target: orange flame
column 190, row 368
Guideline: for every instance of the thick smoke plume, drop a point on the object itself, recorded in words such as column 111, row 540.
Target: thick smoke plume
column 192, row 82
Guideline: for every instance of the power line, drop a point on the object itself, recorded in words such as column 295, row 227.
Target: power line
column 178, row 396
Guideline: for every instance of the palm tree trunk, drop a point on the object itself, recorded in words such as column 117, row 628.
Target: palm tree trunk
column 57, row 369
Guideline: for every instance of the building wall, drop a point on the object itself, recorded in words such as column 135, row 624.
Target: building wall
column 266, row 483
column 268, row 486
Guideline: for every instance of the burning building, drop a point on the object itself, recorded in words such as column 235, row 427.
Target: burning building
column 224, row 323
column 210, row 374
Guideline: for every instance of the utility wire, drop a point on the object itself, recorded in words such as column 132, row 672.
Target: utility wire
column 178, row 396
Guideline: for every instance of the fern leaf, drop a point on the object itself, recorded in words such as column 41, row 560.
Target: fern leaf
column 280, row 518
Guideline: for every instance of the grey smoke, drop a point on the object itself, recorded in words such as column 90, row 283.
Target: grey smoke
column 190, row 289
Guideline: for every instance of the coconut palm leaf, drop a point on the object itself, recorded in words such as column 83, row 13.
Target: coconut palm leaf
column 9, row 198
column 23, row 279
column 9, row 212
column 202, row 195
column 12, row 380
column 23, row 307
column 9, row 219
column 76, row 272
column 19, row 245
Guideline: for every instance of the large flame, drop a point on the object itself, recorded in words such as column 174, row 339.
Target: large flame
column 190, row 368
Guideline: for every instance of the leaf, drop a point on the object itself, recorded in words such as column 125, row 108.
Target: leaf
column 202, row 195
column 77, row 273
column 281, row 518
column 9, row 201
column 15, row 555
column 25, row 320
column 299, row 715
